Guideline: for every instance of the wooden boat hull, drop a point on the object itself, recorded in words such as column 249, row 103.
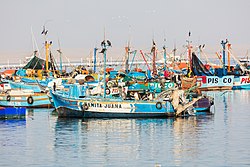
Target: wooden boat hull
column 64, row 112
column 117, row 108
column 21, row 85
column 37, row 100
column 110, row 108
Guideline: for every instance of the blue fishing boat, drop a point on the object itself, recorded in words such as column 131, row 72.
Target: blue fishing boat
column 76, row 102
column 21, row 85
column 227, row 77
column 211, row 79
column 99, row 107
column 241, row 82
column 12, row 112
column 24, row 98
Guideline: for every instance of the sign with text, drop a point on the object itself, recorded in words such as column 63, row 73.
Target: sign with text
column 214, row 81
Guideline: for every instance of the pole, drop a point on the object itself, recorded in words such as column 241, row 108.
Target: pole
column 228, row 57
column 47, row 55
column 127, row 59
column 145, row 59
column 60, row 63
column 165, row 58
column 189, row 55
column 132, row 60
column 154, row 61
column 224, row 56
column 95, row 50
column 104, row 75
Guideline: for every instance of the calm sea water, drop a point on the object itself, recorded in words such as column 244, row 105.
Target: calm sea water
column 43, row 140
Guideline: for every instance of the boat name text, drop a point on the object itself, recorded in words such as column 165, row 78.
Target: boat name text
column 99, row 105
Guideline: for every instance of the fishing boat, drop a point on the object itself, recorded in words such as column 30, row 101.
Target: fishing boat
column 24, row 98
column 37, row 72
column 209, row 78
column 225, row 78
column 12, row 112
column 22, row 85
column 76, row 102
column 241, row 82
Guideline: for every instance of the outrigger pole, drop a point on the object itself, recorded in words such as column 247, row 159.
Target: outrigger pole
column 165, row 56
column 224, row 55
column 189, row 46
column 145, row 59
column 105, row 44
column 228, row 57
column 127, row 50
column 154, row 58
column 60, row 53
column 132, row 60
column 94, row 68
column 47, row 45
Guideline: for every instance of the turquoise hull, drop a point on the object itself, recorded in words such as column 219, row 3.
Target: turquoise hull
column 242, row 82
column 98, row 107
column 28, row 101
column 110, row 107
column 21, row 85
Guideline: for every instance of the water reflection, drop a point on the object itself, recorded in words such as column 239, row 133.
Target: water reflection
column 134, row 142
column 12, row 123
column 103, row 140
column 11, row 138
column 188, row 136
column 221, row 139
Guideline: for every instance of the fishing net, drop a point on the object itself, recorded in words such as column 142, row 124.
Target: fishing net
column 198, row 68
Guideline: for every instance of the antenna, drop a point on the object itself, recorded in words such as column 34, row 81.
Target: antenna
column 32, row 37
column 165, row 53
column 104, row 31
column 60, row 53
column 34, row 43
column 129, row 35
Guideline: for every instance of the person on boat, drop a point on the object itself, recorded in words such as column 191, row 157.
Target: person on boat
column 178, row 82
column 54, row 86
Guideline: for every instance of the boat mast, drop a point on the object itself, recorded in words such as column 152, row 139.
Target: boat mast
column 135, row 51
column 228, row 57
column 104, row 44
column 94, row 57
column 145, row 59
column 224, row 56
column 47, row 46
column 127, row 50
column 60, row 62
column 175, row 50
column 154, row 58
column 165, row 55
column 60, row 53
column 189, row 47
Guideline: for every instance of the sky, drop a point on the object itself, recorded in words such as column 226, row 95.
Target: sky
column 79, row 26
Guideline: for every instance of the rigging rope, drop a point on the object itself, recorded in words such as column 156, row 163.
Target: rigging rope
column 244, row 69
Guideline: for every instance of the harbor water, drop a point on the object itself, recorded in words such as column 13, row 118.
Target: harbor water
column 44, row 140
